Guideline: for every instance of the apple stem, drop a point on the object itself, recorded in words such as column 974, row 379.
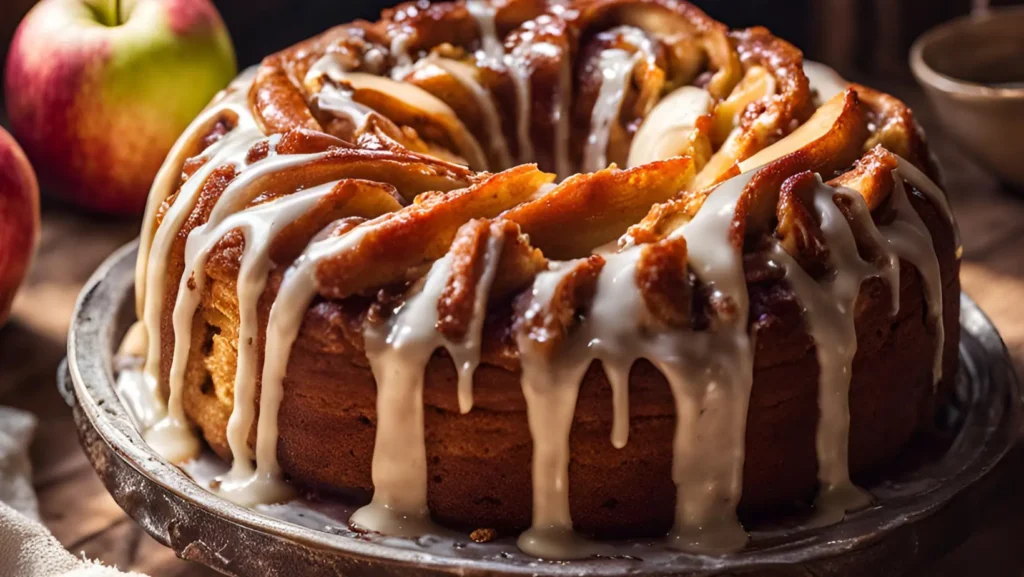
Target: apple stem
column 108, row 11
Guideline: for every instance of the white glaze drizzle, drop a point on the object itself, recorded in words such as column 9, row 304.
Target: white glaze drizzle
column 400, row 53
column 561, row 117
column 616, row 66
column 934, row 194
column 334, row 98
column 145, row 406
column 829, row 309
column 709, row 475
column 233, row 103
column 339, row 98
column 230, row 150
column 297, row 290
column 550, row 387
column 255, row 223
column 484, row 12
column 260, row 225
column 137, row 391
column 497, row 145
column 330, row 65
column 398, row 351
column 341, row 101
column 909, row 238
column 172, row 436
column 466, row 355
column 517, row 66
column 909, row 235
column 493, row 54
column 709, row 372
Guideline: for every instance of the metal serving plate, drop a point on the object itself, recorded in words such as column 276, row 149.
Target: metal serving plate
column 921, row 510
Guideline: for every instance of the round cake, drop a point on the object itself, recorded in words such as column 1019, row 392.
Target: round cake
column 577, row 269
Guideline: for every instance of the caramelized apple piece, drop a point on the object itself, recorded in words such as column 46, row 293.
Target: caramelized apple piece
column 722, row 164
column 829, row 141
column 409, row 173
column 741, row 125
column 832, row 137
column 277, row 104
column 468, row 255
column 673, row 128
column 305, row 141
column 518, row 263
column 540, row 51
column 639, row 71
column 694, row 41
column 349, row 198
column 587, row 211
column 548, row 324
column 757, row 84
column 457, row 82
column 792, row 103
column 664, row 283
column 426, row 25
column 895, row 127
column 798, row 231
column 422, row 232
column 824, row 81
column 277, row 97
column 408, row 105
column 762, row 107
column 871, row 176
column 664, row 218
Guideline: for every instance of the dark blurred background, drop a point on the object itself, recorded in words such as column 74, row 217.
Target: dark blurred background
column 860, row 38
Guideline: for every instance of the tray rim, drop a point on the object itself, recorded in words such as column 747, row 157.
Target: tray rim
column 120, row 437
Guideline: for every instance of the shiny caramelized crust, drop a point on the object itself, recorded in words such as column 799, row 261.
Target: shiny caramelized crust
column 402, row 168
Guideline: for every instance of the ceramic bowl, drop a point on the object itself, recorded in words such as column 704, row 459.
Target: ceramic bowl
column 972, row 69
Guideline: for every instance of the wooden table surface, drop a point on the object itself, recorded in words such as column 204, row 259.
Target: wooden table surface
column 84, row 518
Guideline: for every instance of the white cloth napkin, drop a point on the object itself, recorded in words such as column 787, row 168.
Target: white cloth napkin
column 27, row 549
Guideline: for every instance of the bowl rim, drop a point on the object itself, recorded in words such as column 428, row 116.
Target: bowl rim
column 931, row 78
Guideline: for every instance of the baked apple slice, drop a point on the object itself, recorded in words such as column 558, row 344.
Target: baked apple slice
column 423, row 232
column 598, row 208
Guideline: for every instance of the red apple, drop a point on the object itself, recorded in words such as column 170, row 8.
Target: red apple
column 19, row 219
column 98, row 91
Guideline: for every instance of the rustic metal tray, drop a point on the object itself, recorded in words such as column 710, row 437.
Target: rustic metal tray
column 921, row 510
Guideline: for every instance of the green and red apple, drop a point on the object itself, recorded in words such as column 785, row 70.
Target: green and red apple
column 97, row 91
column 19, row 219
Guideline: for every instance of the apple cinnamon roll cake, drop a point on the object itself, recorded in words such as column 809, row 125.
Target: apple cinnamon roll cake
column 580, row 270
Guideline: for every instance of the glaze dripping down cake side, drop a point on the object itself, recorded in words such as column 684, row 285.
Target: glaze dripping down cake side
column 583, row 270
